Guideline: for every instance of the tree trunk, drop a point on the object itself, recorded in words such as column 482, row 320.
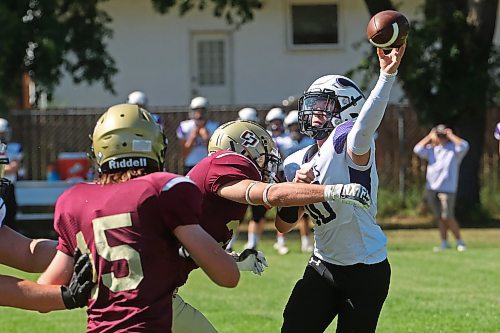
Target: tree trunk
column 468, row 201
column 375, row 6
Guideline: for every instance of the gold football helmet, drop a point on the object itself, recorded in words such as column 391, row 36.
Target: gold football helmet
column 127, row 137
column 251, row 140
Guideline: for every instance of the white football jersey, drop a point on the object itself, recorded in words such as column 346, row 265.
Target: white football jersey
column 343, row 234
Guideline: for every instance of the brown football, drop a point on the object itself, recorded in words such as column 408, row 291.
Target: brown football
column 388, row 29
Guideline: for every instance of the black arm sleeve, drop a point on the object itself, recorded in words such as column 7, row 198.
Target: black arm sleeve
column 288, row 214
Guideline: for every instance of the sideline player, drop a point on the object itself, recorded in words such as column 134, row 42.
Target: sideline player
column 240, row 171
column 132, row 221
column 348, row 274
column 194, row 133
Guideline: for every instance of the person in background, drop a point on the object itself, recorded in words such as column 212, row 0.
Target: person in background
column 299, row 141
column 52, row 173
column 13, row 171
column 138, row 98
column 444, row 151
column 132, row 222
column 497, row 135
column 194, row 133
column 249, row 114
column 34, row 255
column 275, row 126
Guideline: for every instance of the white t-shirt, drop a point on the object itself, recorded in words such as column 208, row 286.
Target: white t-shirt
column 443, row 164
column 200, row 149
column 497, row 132
column 343, row 234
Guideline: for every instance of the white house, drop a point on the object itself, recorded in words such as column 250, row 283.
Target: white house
column 171, row 58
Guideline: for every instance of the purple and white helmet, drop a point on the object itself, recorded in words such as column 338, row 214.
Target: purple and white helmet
column 334, row 96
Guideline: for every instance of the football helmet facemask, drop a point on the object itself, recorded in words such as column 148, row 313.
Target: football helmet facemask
column 127, row 137
column 251, row 140
column 335, row 97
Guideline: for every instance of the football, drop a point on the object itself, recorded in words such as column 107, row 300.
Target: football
column 388, row 29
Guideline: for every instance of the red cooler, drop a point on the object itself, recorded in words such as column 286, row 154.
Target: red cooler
column 73, row 165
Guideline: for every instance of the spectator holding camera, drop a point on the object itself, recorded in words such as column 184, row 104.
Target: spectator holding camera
column 444, row 151
column 193, row 134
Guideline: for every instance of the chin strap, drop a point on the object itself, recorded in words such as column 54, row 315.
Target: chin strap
column 323, row 132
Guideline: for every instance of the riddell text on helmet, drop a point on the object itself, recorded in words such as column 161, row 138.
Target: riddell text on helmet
column 130, row 163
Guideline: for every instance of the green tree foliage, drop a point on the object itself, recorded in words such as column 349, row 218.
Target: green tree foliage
column 46, row 38
column 450, row 74
column 235, row 12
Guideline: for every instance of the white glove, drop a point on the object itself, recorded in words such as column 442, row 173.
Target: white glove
column 251, row 260
column 351, row 194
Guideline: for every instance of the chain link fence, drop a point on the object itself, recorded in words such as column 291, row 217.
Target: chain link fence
column 44, row 134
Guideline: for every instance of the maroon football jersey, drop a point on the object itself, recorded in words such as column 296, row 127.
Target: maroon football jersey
column 128, row 229
column 210, row 174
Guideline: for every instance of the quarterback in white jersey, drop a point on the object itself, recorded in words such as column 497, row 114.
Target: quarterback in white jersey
column 343, row 234
column 348, row 274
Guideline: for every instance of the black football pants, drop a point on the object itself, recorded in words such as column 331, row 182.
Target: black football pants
column 356, row 295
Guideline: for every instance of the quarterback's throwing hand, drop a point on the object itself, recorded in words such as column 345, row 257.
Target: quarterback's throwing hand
column 351, row 194
column 251, row 260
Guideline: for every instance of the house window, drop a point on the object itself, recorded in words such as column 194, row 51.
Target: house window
column 314, row 24
column 211, row 62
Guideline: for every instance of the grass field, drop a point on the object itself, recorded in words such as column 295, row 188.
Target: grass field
column 430, row 292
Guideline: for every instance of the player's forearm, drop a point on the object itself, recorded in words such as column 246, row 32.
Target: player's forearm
column 209, row 255
column 42, row 253
column 24, row 253
column 361, row 135
column 295, row 194
column 186, row 148
column 425, row 140
column 272, row 195
column 28, row 295
column 457, row 140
